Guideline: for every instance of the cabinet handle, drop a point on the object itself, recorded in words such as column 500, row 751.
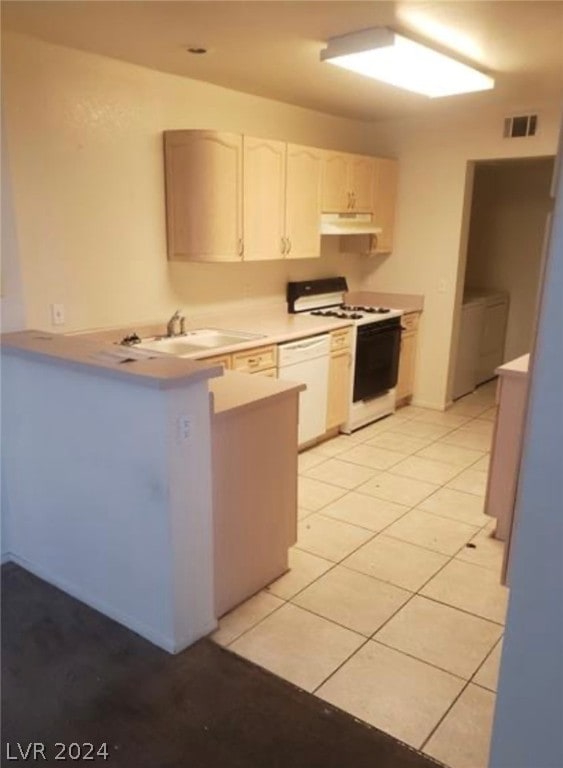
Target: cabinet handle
column 352, row 200
column 373, row 243
column 240, row 246
column 349, row 200
column 289, row 245
column 282, row 246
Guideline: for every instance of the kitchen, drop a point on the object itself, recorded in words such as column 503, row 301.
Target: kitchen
column 99, row 248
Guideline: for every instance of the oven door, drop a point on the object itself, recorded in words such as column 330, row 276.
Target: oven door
column 378, row 347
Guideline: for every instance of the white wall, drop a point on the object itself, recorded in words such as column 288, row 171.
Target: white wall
column 527, row 729
column 112, row 508
column 85, row 139
column 429, row 253
column 508, row 216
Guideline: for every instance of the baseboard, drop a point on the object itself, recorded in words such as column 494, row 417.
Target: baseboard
column 426, row 404
column 162, row 641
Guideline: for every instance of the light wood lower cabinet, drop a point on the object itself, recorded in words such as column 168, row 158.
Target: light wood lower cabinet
column 224, row 360
column 407, row 360
column 339, row 378
column 254, row 496
column 506, row 451
column 260, row 360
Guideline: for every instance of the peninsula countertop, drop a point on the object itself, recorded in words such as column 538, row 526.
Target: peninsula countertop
column 103, row 358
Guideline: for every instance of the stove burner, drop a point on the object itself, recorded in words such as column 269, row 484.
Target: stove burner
column 337, row 313
column 369, row 310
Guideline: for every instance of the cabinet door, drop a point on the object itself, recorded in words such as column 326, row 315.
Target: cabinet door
column 264, row 199
column 203, row 172
column 303, row 202
column 405, row 381
column 338, row 389
column 335, row 183
column 361, row 169
column 386, row 177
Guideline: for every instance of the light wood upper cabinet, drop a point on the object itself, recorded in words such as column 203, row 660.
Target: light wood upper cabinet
column 361, row 183
column 303, row 202
column 385, row 183
column 348, row 183
column 264, row 198
column 230, row 197
column 203, row 171
column 335, row 192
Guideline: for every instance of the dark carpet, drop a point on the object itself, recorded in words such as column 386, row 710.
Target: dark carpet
column 71, row 675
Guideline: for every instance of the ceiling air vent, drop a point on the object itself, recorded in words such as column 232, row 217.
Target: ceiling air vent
column 520, row 125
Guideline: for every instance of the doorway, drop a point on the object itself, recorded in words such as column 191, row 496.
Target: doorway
column 499, row 298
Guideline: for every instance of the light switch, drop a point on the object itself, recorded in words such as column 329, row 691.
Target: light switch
column 57, row 314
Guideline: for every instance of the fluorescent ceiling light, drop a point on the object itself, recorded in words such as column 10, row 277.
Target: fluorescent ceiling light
column 394, row 59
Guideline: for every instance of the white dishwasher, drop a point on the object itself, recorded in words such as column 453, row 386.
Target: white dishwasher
column 306, row 362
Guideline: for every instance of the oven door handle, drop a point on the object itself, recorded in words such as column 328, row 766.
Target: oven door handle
column 365, row 333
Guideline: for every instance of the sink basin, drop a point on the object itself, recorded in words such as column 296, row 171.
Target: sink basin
column 196, row 341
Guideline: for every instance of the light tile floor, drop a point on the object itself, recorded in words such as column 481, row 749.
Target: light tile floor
column 392, row 609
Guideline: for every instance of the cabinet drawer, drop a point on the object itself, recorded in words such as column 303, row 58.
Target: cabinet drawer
column 255, row 359
column 340, row 339
column 410, row 321
column 224, row 360
column 272, row 373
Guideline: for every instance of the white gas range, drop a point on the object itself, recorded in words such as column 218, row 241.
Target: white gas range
column 375, row 348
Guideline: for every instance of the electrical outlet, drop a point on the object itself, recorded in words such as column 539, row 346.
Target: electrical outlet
column 183, row 429
column 57, row 314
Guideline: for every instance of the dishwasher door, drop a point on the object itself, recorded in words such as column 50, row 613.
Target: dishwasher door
column 306, row 362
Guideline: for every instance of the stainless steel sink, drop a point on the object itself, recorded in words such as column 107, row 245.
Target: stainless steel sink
column 196, row 341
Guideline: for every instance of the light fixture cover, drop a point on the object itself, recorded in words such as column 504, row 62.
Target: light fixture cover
column 384, row 55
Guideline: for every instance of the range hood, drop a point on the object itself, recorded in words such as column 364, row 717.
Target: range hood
column 348, row 224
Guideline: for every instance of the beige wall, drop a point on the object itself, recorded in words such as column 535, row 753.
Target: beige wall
column 508, row 215
column 12, row 309
column 84, row 134
column 429, row 256
column 84, row 137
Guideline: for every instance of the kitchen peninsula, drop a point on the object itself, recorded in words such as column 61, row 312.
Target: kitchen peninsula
column 107, row 482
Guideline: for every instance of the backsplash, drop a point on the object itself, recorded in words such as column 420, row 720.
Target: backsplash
column 205, row 286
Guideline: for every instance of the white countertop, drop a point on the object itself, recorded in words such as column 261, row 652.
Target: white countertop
column 273, row 324
column 516, row 367
column 100, row 357
column 236, row 390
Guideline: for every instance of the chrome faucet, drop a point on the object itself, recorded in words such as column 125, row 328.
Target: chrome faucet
column 176, row 326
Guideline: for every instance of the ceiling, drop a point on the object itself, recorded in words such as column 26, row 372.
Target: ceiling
column 272, row 48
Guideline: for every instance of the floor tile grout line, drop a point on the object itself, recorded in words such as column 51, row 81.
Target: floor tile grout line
column 472, row 680
column 375, row 639
column 441, row 720
column 334, row 671
column 462, row 610
column 383, row 530
column 285, row 601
